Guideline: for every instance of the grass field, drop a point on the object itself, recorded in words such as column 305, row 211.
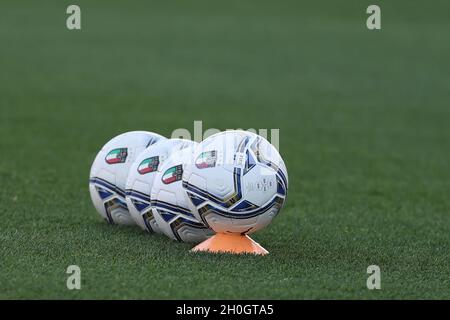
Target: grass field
column 364, row 119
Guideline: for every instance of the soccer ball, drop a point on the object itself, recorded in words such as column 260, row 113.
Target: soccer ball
column 169, row 204
column 141, row 176
column 109, row 173
column 237, row 184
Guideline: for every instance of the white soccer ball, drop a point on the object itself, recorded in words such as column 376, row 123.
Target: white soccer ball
column 141, row 177
column 109, row 173
column 170, row 209
column 238, row 183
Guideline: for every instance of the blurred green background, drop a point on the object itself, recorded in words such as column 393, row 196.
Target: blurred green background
column 364, row 119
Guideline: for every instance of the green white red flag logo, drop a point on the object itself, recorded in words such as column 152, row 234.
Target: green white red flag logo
column 172, row 174
column 118, row 155
column 206, row 160
column 148, row 165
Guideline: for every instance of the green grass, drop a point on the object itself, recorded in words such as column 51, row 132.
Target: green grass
column 364, row 129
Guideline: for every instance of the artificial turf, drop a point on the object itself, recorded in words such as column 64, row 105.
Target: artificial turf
column 364, row 119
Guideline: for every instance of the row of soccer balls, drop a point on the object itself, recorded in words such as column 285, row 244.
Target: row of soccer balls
column 232, row 182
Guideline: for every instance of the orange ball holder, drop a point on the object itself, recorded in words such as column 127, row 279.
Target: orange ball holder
column 230, row 243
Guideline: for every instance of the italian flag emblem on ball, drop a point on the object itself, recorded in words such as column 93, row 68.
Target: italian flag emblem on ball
column 173, row 174
column 206, row 160
column 116, row 156
column 148, row 165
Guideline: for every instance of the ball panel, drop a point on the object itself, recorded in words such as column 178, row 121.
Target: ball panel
column 214, row 220
column 259, row 185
